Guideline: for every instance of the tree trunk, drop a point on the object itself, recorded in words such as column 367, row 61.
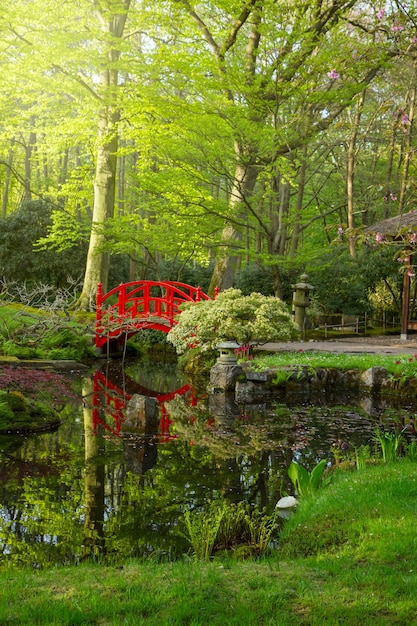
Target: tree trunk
column 407, row 152
column 97, row 265
column 7, row 181
column 27, row 194
column 350, row 173
column 299, row 206
column 244, row 182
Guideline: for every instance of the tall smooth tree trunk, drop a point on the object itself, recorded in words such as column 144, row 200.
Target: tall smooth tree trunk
column 244, row 182
column 97, row 265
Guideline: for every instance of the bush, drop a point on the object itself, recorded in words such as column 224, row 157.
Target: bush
column 253, row 319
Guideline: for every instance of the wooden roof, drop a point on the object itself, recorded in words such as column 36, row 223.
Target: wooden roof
column 393, row 226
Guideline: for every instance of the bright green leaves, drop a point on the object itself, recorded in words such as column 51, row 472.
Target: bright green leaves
column 306, row 483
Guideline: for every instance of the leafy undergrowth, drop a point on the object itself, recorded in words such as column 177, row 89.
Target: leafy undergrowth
column 29, row 333
column 347, row 557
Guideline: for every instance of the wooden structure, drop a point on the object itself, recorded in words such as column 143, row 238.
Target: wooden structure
column 401, row 229
column 124, row 310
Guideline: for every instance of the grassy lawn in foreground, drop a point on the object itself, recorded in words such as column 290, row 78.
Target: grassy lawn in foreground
column 348, row 556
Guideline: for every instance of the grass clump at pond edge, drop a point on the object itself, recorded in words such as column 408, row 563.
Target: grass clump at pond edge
column 401, row 365
column 347, row 557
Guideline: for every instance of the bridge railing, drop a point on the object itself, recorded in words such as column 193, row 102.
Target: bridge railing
column 141, row 304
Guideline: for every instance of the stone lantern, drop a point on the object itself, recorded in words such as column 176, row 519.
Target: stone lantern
column 227, row 353
column 225, row 371
column 301, row 300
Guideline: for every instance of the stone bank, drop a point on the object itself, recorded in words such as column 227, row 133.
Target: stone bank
column 252, row 386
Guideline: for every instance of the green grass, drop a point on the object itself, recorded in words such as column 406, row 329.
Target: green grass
column 348, row 556
column 397, row 365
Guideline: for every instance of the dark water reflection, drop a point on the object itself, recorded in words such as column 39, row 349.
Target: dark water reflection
column 88, row 488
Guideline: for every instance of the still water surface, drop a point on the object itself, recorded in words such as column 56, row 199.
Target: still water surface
column 89, row 489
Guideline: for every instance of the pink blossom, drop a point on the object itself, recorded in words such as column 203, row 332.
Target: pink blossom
column 381, row 13
column 379, row 237
column 397, row 27
column 340, row 231
column 410, row 272
column 405, row 119
column 333, row 75
column 393, row 196
column 413, row 238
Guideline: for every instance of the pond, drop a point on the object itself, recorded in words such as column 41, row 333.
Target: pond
column 89, row 488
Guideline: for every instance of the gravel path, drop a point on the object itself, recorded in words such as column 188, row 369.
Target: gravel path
column 371, row 345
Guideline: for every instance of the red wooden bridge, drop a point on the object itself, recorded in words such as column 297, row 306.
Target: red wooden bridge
column 126, row 309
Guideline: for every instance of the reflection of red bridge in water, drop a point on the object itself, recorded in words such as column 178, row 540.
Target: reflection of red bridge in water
column 109, row 399
column 130, row 307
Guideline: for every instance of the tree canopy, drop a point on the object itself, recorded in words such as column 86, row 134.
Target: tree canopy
column 224, row 135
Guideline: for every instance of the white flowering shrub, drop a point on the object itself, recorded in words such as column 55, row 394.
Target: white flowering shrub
column 253, row 319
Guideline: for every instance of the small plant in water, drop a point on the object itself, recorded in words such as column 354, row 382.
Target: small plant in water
column 306, row 482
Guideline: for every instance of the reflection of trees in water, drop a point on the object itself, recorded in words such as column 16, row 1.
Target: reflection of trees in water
column 71, row 493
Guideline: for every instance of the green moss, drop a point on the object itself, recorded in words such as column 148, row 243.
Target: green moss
column 18, row 413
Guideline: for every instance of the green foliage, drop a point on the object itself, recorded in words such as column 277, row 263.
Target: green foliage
column 232, row 316
column 21, row 261
column 255, row 277
column 6, row 413
column 343, row 284
column 19, row 413
column 65, row 344
column 185, row 272
column 26, row 333
column 411, row 450
column 306, row 483
column 224, row 528
column 362, row 455
column 202, row 529
column 390, row 444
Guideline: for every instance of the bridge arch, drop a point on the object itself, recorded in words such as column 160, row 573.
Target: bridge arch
column 132, row 306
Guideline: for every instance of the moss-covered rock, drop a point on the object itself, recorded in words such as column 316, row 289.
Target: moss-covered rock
column 19, row 414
